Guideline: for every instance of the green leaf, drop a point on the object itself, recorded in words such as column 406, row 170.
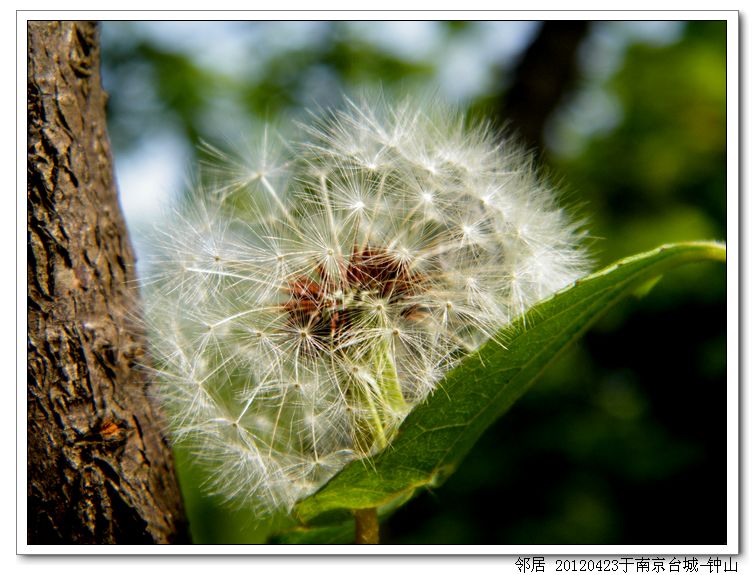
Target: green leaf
column 333, row 527
column 437, row 435
column 646, row 287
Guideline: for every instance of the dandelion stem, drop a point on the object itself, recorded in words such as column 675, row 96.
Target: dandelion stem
column 385, row 403
column 375, row 431
column 367, row 526
column 387, row 378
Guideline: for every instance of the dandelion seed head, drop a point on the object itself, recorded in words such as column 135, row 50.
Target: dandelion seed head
column 311, row 294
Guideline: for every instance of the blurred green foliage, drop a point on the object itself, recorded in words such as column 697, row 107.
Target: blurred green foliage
column 660, row 176
column 153, row 83
column 615, row 444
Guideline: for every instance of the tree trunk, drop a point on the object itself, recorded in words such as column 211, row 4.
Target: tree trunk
column 545, row 74
column 99, row 470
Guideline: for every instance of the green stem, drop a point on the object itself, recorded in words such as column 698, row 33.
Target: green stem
column 375, row 431
column 387, row 378
column 367, row 526
column 383, row 405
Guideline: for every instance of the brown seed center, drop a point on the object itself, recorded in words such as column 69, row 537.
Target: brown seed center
column 326, row 305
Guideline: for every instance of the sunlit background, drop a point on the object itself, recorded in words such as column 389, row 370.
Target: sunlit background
column 623, row 440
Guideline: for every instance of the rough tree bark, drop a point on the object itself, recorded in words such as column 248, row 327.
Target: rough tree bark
column 99, row 470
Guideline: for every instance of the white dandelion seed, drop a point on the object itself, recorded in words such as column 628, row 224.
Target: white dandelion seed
column 306, row 301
